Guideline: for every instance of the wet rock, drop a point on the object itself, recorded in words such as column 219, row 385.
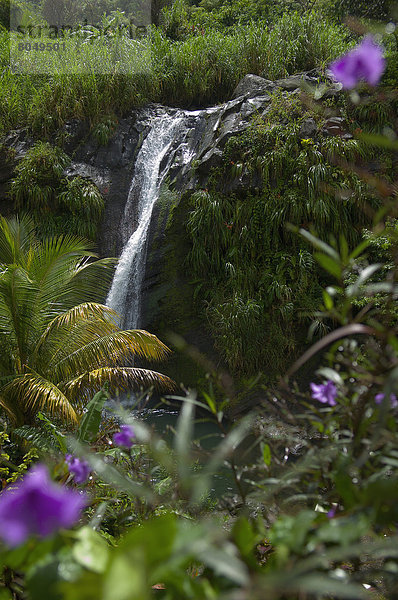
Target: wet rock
column 253, row 85
column 308, row 129
column 232, row 125
column 336, row 126
column 210, row 160
column 253, row 105
column 296, row 81
column 72, row 133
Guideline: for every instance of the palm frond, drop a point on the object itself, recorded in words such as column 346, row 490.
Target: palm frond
column 84, row 312
column 113, row 349
column 123, row 378
column 17, row 304
column 16, row 236
column 38, row 394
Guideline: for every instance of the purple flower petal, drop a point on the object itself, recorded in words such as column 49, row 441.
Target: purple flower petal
column 393, row 399
column 365, row 62
column 37, row 506
column 80, row 469
column 324, row 392
column 124, row 437
column 332, row 512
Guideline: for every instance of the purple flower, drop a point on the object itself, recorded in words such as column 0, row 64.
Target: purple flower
column 77, row 467
column 332, row 512
column 124, row 437
column 393, row 399
column 364, row 62
column 324, row 392
column 36, row 505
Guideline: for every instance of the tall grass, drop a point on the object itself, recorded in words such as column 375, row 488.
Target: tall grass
column 89, row 80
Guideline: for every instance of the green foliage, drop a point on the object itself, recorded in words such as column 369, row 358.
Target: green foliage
column 373, row 9
column 5, row 13
column 10, row 472
column 41, row 438
column 83, row 201
column 259, row 283
column 313, row 511
column 104, row 130
column 38, row 177
column 56, row 203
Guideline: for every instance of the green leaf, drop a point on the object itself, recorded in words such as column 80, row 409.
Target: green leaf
column 154, row 540
column 343, row 249
column 267, row 455
column 246, row 539
column 330, row 587
column 226, row 564
column 89, row 586
column 61, row 438
column 38, row 437
column 380, row 141
column 331, row 374
column 330, row 265
column 317, row 243
column 126, row 579
column 42, row 579
column 365, row 274
column 91, row 421
column 183, row 439
column 210, row 402
column 91, row 550
column 327, row 300
column 359, row 249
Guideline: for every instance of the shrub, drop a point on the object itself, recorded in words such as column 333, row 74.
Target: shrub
column 38, row 178
column 56, row 203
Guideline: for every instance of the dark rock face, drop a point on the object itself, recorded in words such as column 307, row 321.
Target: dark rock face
column 111, row 168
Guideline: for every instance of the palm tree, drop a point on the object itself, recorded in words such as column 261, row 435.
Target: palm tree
column 58, row 344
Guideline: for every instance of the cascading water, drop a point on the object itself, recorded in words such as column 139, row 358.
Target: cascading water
column 175, row 137
column 124, row 295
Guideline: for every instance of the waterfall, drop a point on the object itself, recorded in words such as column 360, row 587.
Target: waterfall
column 125, row 293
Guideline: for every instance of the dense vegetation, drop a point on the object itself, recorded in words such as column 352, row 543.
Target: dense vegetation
column 258, row 279
column 310, row 506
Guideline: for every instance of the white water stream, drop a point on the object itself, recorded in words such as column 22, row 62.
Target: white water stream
column 125, row 293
